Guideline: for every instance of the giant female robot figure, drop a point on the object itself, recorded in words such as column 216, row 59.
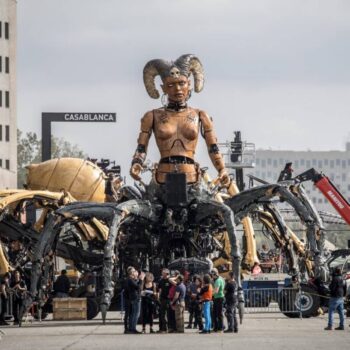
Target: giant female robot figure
column 176, row 128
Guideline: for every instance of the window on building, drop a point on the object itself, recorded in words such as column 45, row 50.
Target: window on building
column 263, row 175
column 0, row 98
column 258, row 174
column 263, row 163
column 331, row 163
column 275, row 163
column 296, row 163
column 7, row 30
column 337, row 162
column 0, row 64
column 343, row 164
column 343, row 177
column 7, row 65
column 331, row 176
column 0, row 163
column 308, row 164
column 7, row 164
column 257, row 161
column 314, row 162
column 7, row 99
column 0, row 132
column 269, row 161
column 320, row 200
column 325, row 200
column 302, row 162
column 348, row 162
column 348, row 187
column 319, row 163
column 0, row 29
column 314, row 199
column 269, row 175
column 325, row 162
column 7, row 133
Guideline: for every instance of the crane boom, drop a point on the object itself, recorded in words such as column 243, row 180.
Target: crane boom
column 329, row 190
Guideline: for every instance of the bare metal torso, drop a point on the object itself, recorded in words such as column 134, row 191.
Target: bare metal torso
column 176, row 134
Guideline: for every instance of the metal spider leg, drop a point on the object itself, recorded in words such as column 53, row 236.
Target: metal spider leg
column 138, row 208
column 287, row 246
column 208, row 208
column 43, row 246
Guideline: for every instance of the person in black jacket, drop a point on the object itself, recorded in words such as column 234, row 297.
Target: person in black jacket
column 4, row 297
column 127, row 304
column 133, row 288
column 62, row 285
column 19, row 289
column 336, row 302
column 231, row 304
column 163, row 291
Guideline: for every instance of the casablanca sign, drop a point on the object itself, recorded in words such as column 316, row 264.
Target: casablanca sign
column 89, row 117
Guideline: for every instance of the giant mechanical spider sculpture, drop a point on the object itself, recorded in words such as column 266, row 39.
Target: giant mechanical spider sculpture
column 150, row 233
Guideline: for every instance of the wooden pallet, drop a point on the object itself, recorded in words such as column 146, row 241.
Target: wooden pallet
column 67, row 309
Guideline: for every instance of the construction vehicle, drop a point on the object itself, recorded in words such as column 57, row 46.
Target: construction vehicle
column 329, row 190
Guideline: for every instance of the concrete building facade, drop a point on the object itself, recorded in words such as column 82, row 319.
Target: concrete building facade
column 8, row 119
column 334, row 164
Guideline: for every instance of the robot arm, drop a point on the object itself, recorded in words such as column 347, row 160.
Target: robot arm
column 142, row 144
column 213, row 149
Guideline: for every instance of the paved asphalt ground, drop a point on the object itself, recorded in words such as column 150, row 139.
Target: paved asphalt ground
column 269, row 331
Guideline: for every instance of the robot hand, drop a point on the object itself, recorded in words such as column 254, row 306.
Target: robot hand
column 224, row 178
column 135, row 171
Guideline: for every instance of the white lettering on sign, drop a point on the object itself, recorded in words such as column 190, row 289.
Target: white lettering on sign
column 89, row 117
column 335, row 199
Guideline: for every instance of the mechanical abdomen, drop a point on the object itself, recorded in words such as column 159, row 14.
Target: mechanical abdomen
column 84, row 180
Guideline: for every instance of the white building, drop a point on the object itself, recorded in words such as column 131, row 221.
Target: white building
column 334, row 164
column 8, row 123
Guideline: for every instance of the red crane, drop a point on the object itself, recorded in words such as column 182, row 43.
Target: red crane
column 329, row 190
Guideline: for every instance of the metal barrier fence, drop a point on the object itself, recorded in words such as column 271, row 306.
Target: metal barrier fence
column 274, row 300
column 257, row 300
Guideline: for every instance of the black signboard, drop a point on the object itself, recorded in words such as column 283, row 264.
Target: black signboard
column 48, row 118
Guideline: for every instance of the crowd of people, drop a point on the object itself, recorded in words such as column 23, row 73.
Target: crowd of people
column 205, row 296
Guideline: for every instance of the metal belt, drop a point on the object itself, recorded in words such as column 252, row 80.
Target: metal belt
column 176, row 160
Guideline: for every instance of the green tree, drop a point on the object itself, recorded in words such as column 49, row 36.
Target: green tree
column 29, row 152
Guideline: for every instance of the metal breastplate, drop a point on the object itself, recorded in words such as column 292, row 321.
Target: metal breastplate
column 176, row 133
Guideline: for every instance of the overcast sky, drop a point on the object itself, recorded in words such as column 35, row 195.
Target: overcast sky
column 276, row 70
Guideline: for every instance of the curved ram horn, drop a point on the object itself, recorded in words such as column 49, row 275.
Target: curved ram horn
column 191, row 63
column 151, row 70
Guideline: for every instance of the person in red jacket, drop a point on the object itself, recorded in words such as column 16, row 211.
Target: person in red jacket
column 206, row 294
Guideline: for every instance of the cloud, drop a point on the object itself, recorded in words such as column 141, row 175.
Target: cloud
column 277, row 70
